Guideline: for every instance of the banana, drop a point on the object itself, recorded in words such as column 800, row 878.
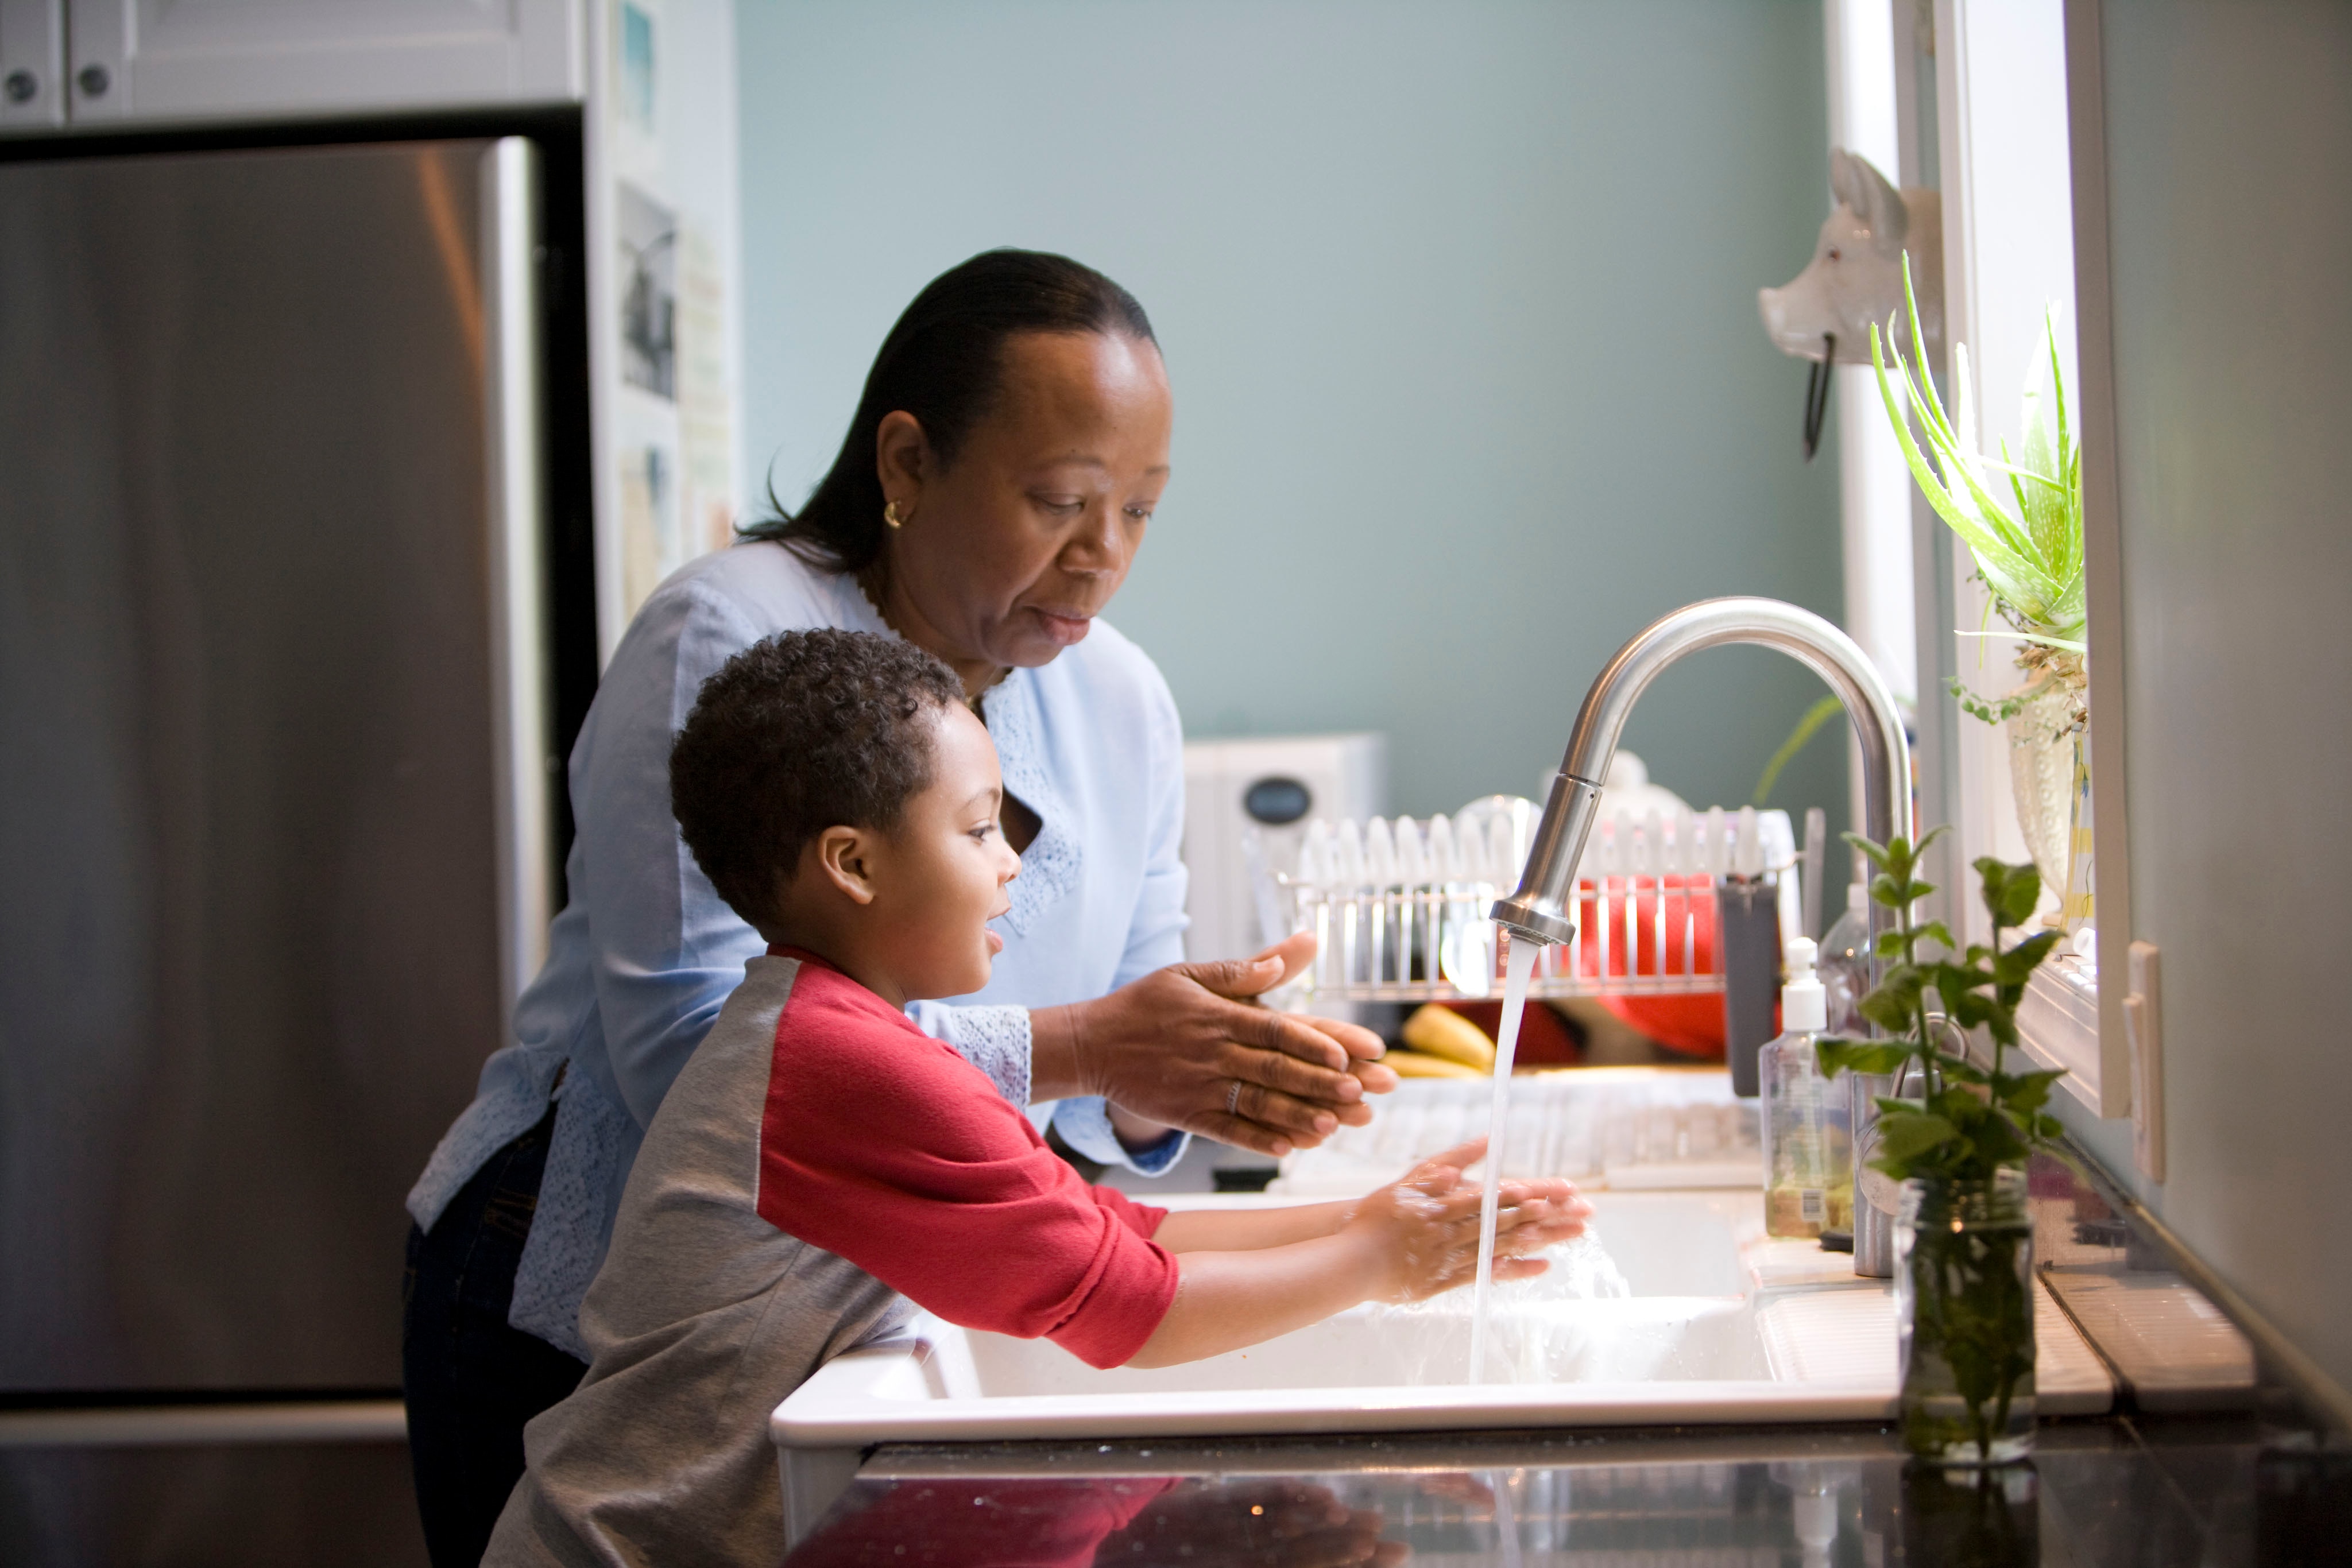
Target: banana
column 1445, row 1033
column 1413, row 1064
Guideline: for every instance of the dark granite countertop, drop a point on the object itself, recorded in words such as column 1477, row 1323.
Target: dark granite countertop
column 2146, row 1492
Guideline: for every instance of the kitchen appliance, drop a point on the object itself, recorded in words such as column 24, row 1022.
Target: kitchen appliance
column 297, row 620
column 1247, row 804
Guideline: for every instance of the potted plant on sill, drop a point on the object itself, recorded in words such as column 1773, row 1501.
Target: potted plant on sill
column 1964, row 1241
column 2022, row 520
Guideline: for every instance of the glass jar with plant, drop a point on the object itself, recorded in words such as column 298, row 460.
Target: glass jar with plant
column 1964, row 1243
column 2022, row 518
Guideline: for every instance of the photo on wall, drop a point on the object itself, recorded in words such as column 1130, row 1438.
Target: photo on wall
column 635, row 119
column 650, row 545
column 706, row 430
column 648, row 238
column 633, row 64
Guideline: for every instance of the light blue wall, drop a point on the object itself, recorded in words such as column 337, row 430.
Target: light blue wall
column 1458, row 300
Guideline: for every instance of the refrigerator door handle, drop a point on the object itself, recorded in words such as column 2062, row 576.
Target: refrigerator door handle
column 512, row 401
column 227, row 1423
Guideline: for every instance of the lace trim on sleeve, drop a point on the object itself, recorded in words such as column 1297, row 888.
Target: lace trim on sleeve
column 995, row 1041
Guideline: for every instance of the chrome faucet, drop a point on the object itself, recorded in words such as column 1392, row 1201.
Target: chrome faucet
column 1542, row 909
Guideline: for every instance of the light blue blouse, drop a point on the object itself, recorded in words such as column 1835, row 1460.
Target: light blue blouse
column 645, row 952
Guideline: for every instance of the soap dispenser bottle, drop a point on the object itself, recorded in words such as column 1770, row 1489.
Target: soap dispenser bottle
column 1808, row 1157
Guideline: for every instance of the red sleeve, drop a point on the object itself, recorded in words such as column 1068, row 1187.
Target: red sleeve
column 884, row 1146
column 1139, row 1218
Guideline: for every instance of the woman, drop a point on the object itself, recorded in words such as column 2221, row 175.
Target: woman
column 995, row 483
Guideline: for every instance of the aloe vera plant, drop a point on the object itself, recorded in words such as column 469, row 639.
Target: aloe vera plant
column 2022, row 516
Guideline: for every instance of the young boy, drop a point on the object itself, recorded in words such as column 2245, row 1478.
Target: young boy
column 822, row 1167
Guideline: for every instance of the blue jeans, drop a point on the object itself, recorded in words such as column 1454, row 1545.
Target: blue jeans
column 471, row 1381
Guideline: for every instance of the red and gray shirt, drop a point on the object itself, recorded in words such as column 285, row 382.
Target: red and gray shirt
column 819, row 1164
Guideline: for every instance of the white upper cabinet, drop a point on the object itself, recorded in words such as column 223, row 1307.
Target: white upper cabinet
column 209, row 60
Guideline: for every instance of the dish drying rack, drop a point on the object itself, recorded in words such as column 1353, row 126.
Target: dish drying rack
column 1619, row 1127
column 1399, row 908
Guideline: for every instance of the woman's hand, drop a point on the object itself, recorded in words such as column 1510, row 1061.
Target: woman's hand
column 1424, row 1229
column 1173, row 1047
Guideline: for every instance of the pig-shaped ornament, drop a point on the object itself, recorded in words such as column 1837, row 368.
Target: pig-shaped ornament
column 1855, row 279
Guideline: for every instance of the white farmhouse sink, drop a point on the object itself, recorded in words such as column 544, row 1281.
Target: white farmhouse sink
column 1723, row 1325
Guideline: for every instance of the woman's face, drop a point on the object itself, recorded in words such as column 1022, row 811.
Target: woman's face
column 1006, row 556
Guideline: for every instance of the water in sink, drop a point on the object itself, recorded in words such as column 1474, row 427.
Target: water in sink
column 1664, row 1301
column 1624, row 1340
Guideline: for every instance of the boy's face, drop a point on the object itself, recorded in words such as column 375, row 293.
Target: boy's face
column 942, row 873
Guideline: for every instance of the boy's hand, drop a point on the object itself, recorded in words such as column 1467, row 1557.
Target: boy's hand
column 1422, row 1233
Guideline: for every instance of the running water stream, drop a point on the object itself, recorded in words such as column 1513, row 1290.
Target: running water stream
column 1521, row 965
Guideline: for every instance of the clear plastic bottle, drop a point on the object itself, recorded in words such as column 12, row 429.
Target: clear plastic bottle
column 1808, row 1132
column 1845, row 965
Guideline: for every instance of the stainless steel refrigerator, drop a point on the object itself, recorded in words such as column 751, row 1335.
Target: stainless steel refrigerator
column 280, row 619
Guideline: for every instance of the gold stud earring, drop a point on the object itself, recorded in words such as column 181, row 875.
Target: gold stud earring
column 891, row 515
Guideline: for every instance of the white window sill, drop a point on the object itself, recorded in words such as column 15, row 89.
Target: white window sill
column 2058, row 1025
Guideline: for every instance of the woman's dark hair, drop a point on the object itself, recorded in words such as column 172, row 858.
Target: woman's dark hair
column 806, row 731
column 944, row 363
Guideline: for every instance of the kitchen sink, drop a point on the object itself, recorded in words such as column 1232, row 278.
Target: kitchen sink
column 1720, row 1325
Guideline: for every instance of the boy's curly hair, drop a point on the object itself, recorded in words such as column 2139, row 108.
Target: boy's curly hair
column 803, row 732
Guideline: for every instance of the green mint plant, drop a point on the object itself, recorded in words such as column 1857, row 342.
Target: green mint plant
column 1970, row 1340
column 1971, row 1121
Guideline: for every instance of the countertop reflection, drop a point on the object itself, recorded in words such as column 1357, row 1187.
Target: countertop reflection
column 2143, row 1492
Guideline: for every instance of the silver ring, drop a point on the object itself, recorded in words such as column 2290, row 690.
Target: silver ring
column 1233, row 1098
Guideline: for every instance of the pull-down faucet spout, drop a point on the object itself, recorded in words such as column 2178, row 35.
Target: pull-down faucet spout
column 1543, row 909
